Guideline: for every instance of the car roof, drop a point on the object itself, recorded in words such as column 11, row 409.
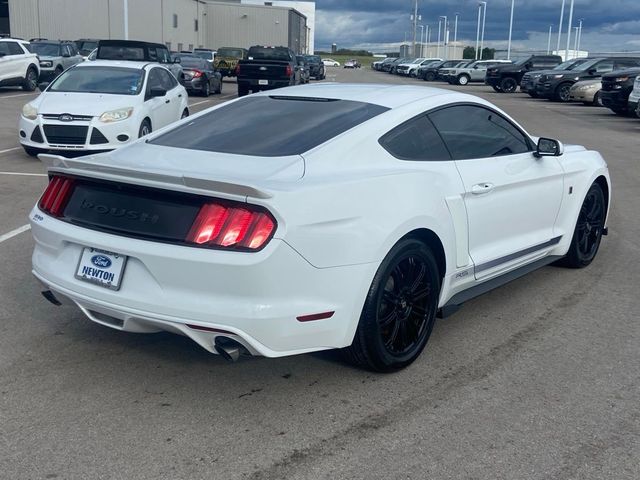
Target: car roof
column 117, row 63
column 389, row 96
column 129, row 43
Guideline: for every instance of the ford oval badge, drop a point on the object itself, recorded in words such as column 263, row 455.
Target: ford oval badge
column 101, row 261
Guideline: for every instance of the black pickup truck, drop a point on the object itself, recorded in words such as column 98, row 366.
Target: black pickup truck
column 267, row 68
column 506, row 78
column 616, row 89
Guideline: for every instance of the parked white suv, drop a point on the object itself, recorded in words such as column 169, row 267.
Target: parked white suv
column 18, row 66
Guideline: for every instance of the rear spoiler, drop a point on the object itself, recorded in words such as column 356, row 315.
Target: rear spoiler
column 56, row 163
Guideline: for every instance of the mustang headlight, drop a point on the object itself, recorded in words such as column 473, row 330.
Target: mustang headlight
column 30, row 112
column 46, row 64
column 116, row 115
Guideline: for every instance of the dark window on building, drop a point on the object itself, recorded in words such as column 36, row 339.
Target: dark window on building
column 471, row 131
column 175, row 20
column 270, row 126
column 416, row 139
column 195, row 25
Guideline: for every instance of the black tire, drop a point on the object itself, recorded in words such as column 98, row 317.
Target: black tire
column 430, row 77
column 58, row 71
column 185, row 113
column 32, row 152
column 206, row 89
column 561, row 93
column 532, row 94
column 622, row 112
column 30, row 82
column 145, row 128
column 243, row 91
column 508, row 85
column 597, row 100
column 218, row 90
column 588, row 232
column 399, row 311
column 463, row 79
column 496, row 89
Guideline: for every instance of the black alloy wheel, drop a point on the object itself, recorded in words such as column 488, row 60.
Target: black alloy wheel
column 400, row 309
column 589, row 229
column 563, row 92
column 30, row 80
column 430, row 76
column 508, row 85
column 145, row 128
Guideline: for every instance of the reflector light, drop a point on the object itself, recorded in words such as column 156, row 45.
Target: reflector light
column 197, row 74
column 55, row 197
column 289, row 71
column 209, row 329
column 245, row 227
column 315, row 316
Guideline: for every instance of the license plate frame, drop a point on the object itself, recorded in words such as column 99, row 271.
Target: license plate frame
column 102, row 268
column 263, row 82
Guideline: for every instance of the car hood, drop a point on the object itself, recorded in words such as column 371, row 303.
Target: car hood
column 93, row 104
column 630, row 72
column 597, row 83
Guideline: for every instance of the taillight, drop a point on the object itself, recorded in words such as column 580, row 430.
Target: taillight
column 238, row 226
column 197, row 74
column 237, row 70
column 289, row 71
column 56, row 196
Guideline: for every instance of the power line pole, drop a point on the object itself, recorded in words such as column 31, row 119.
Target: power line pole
column 566, row 52
column 125, row 7
column 560, row 27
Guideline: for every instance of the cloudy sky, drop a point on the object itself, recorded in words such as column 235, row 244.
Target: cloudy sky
column 380, row 25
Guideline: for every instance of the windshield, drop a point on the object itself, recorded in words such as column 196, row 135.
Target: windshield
column 574, row 64
column 230, row 52
column 586, row 65
column 279, row 125
column 473, row 64
column 46, row 49
column 522, row 61
column 418, row 60
column 313, row 59
column 205, row 55
column 107, row 80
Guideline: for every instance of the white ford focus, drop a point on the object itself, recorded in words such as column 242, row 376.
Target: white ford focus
column 315, row 217
column 101, row 105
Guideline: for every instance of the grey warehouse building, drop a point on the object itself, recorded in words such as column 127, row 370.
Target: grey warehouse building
column 180, row 24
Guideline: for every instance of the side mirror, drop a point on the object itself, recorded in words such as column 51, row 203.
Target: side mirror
column 43, row 86
column 157, row 92
column 548, row 147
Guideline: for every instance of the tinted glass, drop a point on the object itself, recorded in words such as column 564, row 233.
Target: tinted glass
column 4, row 48
column 230, row 52
column 313, row 59
column 14, row 49
column 416, row 139
column 270, row 126
column 477, row 132
column 586, row 65
column 160, row 78
column 107, row 80
column 205, row 55
column 265, row 53
column 626, row 63
column 107, row 52
column 604, row 66
column 46, row 49
column 163, row 55
column 193, row 62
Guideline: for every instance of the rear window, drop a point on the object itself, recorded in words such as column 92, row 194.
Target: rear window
column 270, row 126
column 108, row 52
column 267, row 53
column 231, row 52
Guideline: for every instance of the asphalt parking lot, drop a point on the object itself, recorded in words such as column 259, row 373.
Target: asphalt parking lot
column 538, row 380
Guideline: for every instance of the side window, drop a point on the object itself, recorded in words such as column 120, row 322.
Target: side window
column 14, row 48
column 163, row 55
column 626, row 63
column 153, row 54
column 167, row 80
column 416, row 139
column 471, row 131
column 604, row 66
column 66, row 50
column 4, row 48
column 155, row 81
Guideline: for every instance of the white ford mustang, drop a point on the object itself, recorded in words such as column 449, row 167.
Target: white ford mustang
column 315, row 217
column 101, row 105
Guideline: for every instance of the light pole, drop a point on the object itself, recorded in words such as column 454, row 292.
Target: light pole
column 549, row 41
column 438, row 44
column 575, row 42
column 428, row 39
column 566, row 52
column 579, row 34
column 560, row 27
column 484, row 17
column 455, row 34
column 510, row 31
column 421, row 40
column 444, row 37
column 478, row 33
column 125, row 6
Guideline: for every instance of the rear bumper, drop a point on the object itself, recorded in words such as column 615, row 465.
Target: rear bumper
column 194, row 84
column 254, row 84
column 616, row 100
column 256, row 297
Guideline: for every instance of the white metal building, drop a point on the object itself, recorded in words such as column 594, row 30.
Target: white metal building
column 180, row 24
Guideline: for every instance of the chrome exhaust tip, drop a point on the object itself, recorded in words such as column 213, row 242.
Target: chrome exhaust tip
column 228, row 348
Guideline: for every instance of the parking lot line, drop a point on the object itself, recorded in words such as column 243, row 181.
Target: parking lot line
column 199, row 103
column 18, row 95
column 9, row 150
column 15, row 232
column 24, row 174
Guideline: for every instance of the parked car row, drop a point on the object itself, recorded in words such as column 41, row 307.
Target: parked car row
column 611, row 82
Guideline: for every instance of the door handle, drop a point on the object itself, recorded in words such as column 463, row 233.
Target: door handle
column 482, row 188
column 167, row 101
column 180, row 96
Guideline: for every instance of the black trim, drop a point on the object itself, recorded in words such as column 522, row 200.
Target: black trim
column 457, row 300
column 513, row 256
